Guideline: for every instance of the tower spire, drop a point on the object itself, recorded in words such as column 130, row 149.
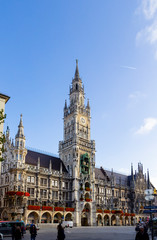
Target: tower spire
column 20, row 133
column 148, row 180
column 76, row 71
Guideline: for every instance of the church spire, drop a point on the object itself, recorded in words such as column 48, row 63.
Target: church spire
column 20, row 133
column 76, row 71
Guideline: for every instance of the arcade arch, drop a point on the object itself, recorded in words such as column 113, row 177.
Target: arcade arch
column 68, row 217
column 46, row 218
column 106, row 220
column 33, row 216
column 57, row 218
column 113, row 220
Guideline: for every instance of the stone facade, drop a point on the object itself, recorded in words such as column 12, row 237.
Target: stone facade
column 48, row 189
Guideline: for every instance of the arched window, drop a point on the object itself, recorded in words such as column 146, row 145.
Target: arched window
column 19, row 176
column 76, row 86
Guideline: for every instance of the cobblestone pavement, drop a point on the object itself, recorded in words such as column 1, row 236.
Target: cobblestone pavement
column 86, row 233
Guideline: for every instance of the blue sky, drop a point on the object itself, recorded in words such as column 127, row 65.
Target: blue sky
column 115, row 43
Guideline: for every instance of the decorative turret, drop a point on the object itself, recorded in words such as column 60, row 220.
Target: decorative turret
column 148, row 180
column 77, row 71
column 132, row 173
column 7, row 132
column 20, row 151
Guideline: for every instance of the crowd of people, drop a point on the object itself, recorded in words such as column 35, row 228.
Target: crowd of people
column 17, row 232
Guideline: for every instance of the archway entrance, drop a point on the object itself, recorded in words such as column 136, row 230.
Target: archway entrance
column 46, row 218
column 106, row 220
column 68, row 217
column 33, row 216
column 84, row 220
column 126, row 221
column 85, row 217
column 5, row 216
column 113, row 220
column 99, row 220
column 57, row 218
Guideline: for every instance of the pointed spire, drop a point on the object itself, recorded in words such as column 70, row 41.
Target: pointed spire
column 76, row 71
column 7, row 132
column 132, row 173
column 20, row 132
column 65, row 107
column 148, row 180
column 88, row 106
column 21, row 123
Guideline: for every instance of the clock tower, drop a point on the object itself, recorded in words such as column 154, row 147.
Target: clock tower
column 77, row 151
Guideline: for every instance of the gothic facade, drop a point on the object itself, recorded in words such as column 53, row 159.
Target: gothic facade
column 47, row 189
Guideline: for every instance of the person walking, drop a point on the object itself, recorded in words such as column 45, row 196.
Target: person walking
column 13, row 232
column 17, row 234
column 142, row 234
column 33, row 231
column 61, row 234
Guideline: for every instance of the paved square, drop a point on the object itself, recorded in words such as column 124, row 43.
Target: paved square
column 86, row 233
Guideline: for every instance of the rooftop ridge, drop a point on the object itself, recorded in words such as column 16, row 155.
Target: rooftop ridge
column 42, row 151
column 114, row 171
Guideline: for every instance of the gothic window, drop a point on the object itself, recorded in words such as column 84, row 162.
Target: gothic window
column 76, row 86
column 21, row 143
column 17, row 143
column 63, row 184
column 16, row 156
column 19, row 176
column 20, row 156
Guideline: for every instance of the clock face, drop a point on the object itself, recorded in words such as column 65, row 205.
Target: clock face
column 83, row 120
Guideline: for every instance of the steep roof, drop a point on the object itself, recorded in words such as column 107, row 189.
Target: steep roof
column 32, row 159
column 101, row 174
column 119, row 177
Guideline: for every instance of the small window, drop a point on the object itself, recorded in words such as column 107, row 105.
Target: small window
column 28, row 179
column 32, row 179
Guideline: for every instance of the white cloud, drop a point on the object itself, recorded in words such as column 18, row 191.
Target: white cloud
column 136, row 95
column 149, row 32
column 149, row 124
column 128, row 67
column 149, row 8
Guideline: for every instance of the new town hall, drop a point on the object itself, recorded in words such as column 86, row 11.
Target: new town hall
column 40, row 187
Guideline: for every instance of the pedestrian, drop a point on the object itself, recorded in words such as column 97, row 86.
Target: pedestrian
column 33, row 231
column 142, row 234
column 17, row 235
column 61, row 234
column 13, row 231
column 22, row 231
